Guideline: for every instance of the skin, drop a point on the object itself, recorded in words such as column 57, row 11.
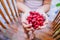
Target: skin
column 24, row 8
column 45, row 8
column 16, row 30
column 21, row 6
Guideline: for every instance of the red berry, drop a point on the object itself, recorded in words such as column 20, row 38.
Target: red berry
column 35, row 23
column 35, row 19
column 31, row 13
column 36, row 26
column 41, row 24
column 34, row 16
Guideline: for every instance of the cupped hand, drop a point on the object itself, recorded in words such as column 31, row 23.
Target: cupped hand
column 45, row 16
column 24, row 20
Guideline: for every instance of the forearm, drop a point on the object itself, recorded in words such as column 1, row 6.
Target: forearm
column 22, row 7
column 45, row 8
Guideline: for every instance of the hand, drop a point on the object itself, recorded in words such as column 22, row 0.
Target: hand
column 46, row 17
column 16, row 32
column 24, row 21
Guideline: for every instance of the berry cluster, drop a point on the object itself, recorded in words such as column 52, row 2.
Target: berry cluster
column 36, row 19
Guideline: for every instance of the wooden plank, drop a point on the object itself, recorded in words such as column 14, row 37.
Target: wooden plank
column 56, row 20
column 56, row 29
column 15, row 7
column 57, row 37
column 57, row 32
column 56, row 26
column 57, row 16
column 12, row 9
column 4, row 17
column 3, row 4
column 3, row 25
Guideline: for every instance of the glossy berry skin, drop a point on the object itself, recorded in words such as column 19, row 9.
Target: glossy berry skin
column 36, row 19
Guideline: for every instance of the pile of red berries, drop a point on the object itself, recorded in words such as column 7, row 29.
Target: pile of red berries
column 36, row 19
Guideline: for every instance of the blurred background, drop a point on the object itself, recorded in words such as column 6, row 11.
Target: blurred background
column 53, row 12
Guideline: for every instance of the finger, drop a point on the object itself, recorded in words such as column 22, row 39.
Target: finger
column 26, row 25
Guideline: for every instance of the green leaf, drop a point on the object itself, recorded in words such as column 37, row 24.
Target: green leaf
column 58, row 5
